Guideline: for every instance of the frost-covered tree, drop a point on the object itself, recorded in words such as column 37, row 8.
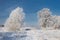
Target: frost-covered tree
column 15, row 20
column 48, row 21
column 44, row 18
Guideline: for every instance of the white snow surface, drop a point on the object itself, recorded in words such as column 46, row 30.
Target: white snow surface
column 32, row 35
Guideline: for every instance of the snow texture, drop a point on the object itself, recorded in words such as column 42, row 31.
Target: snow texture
column 31, row 35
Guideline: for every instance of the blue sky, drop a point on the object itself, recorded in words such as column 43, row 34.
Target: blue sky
column 30, row 8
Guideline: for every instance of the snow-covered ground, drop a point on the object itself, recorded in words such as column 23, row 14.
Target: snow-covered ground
column 1, row 28
column 31, row 35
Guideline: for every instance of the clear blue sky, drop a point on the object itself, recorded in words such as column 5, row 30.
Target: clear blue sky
column 30, row 8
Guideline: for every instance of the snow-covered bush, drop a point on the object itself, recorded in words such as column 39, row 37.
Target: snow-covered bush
column 48, row 21
column 43, row 17
column 15, row 20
